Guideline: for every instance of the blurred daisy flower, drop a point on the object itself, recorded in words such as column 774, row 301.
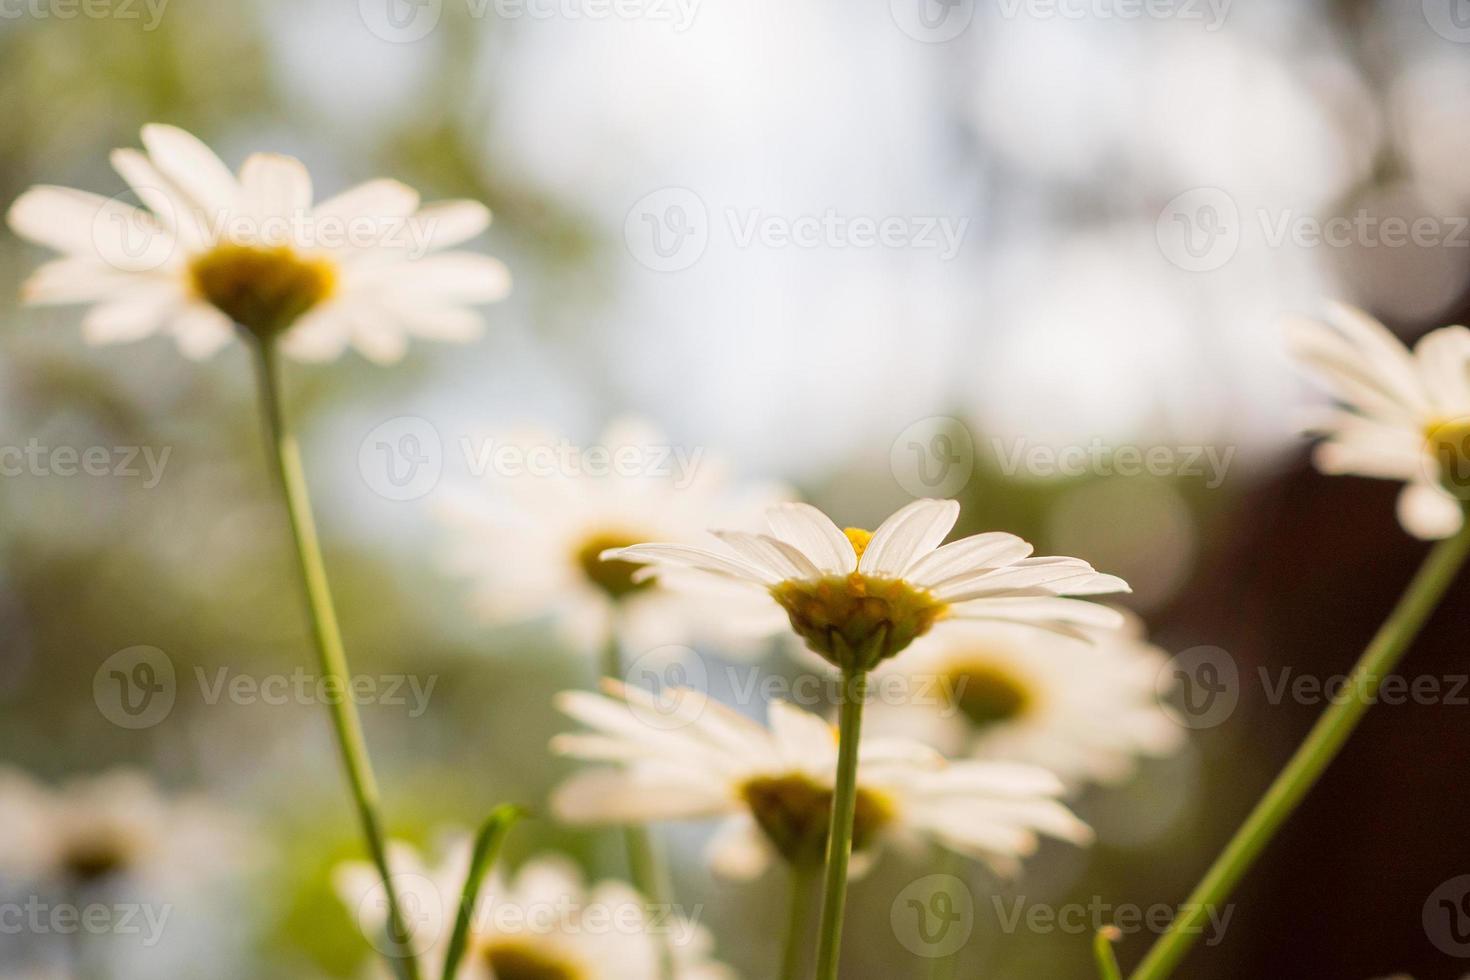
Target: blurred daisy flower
column 774, row 785
column 211, row 250
column 114, row 830
column 1406, row 414
column 858, row 597
column 544, row 922
column 532, row 545
column 1083, row 710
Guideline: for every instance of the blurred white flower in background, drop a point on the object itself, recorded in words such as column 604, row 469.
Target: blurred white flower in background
column 211, row 251
column 1083, row 709
column 114, row 831
column 1406, row 415
column 772, row 787
column 543, row 921
column 530, row 539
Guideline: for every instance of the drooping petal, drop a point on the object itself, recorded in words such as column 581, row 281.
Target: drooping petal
column 1428, row 512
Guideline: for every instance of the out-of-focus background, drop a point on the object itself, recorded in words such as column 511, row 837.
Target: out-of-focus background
column 1093, row 215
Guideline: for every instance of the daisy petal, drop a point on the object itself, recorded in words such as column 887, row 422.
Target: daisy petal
column 275, row 186
column 1428, row 512
column 193, row 167
column 687, row 556
column 813, row 532
column 911, row 533
column 989, row 550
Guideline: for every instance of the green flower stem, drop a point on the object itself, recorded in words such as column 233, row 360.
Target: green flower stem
column 487, row 848
column 1102, row 948
column 286, row 457
column 1321, row 746
column 839, row 837
column 645, row 863
column 796, row 925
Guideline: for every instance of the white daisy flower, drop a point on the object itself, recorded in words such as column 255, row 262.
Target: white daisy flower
column 1407, row 415
column 532, row 546
column 109, row 830
column 1083, row 710
column 366, row 267
column 774, row 785
column 858, row 597
column 544, row 923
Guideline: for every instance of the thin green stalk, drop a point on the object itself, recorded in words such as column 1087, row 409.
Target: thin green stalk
column 796, row 924
column 286, row 457
column 839, row 835
column 645, row 863
column 1321, row 746
column 1102, row 948
column 487, row 847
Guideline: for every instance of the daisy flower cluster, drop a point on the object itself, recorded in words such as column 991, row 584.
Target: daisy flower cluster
column 542, row 923
column 1044, row 688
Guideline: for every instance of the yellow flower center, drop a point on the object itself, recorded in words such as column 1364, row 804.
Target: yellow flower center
column 1449, row 443
column 517, row 960
column 613, row 577
column 987, row 693
column 262, row 288
column 794, row 813
column 87, row 861
column 856, row 620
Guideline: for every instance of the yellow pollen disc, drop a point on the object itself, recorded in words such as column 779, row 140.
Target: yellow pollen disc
column 794, row 813
column 859, row 539
column 613, row 577
column 1448, row 442
column 262, row 288
column 855, row 621
column 92, row 860
column 987, row 693
column 514, row 960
